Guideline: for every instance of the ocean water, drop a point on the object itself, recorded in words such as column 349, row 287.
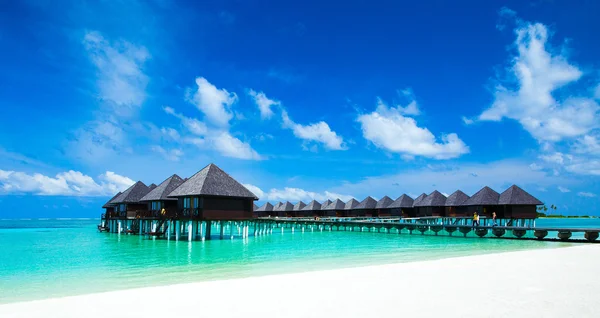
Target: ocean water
column 51, row 258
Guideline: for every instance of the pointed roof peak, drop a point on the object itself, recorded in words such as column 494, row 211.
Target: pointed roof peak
column 384, row 202
column 312, row 206
column 164, row 189
column 514, row 195
column 325, row 204
column 133, row 194
column 435, row 198
column 267, row 207
column 299, row 206
column 212, row 181
column 287, row 206
column 420, row 198
column 335, row 205
column 457, row 198
column 403, row 201
column 351, row 204
column 367, row 204
column 485, row 196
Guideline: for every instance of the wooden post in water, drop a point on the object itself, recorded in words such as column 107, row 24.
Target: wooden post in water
column 208, row 230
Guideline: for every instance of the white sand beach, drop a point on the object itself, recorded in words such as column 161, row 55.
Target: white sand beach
column 561, row 282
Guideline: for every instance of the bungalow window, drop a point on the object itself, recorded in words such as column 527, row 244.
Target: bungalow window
column 186, row 203
column 195, row 203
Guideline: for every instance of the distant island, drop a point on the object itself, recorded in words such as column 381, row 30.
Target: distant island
column 559, row 216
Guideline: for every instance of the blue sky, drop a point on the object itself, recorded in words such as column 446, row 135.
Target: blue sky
column 298, row 100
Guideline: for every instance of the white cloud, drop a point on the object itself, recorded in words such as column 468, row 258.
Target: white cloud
column 70, row 183
column 121, row 80
column 230, row 146
column 572, row 163
column 468, row 177
column 213, row 102
column 319, row 132
column 563, row 189
column 195, row 126
column 467, row 121
column 171, row 154
column 588, row 145
column 535, row 167
column 586, row 194
column 388, row 129
column 171, row 133
column 295, row 194
column 264, row 103
column 539, row 73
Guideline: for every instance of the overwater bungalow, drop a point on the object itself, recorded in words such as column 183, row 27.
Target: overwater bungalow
column 212, row 194
column 128, row 204
column 516, row 203
column 109, row 206
column 454, row 204
column 382, row 206
column 265, row 210
column 402, row 207
column 311, row 209
column 432, row 205
column 284, row 209
column 322, row 212
column 157, row 199
column 366, row 208
column 484, row 202
column 297, row 209
column 417, row 202
column 152, row 186
column 335, row 208
column 349, row 207
column 276, row 207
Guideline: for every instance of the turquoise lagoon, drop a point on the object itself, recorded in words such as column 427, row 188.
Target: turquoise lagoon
column 51, row 258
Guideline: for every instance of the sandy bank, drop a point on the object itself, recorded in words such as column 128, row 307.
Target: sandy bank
column 559, row 282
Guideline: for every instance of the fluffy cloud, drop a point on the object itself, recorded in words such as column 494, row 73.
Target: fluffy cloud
column 217, row 139
column 213, row 102
column 319, row 132
column 539, row 73
column 468, row 177
column 70, row 183
column 295, row 194
column 264, row 103
column 232, row 147
column 121, row 80
column 195, row 126
column 573, row 163
column 586, row 194
column 389, row 129
column 563, row 189
column 171, row 154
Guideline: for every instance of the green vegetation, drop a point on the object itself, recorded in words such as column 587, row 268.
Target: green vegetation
column 542, row 209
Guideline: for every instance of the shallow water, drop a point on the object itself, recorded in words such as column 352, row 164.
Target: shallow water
column 49, row 258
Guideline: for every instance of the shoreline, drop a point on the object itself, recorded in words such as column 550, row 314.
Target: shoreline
column 517, row 283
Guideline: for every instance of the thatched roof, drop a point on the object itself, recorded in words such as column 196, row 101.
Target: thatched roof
column 384, row 202
column 212, row 181
column 267, row 207
column 287, row 206
column 108, row 203
column 367, row 204
column 457, row 198
column 351, row 204
column 517, row 196
column 485, row 196
column 152, row 187
column 312, row 206
column 299, row 206
column 435, row 198
column 325, row 204
column 403, row 201
column 133, row 194
column 335, row 205
column 161, row 192
column 277, row 206
column 420, row 198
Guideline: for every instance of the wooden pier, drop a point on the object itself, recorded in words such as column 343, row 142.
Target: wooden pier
column 211, row 202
